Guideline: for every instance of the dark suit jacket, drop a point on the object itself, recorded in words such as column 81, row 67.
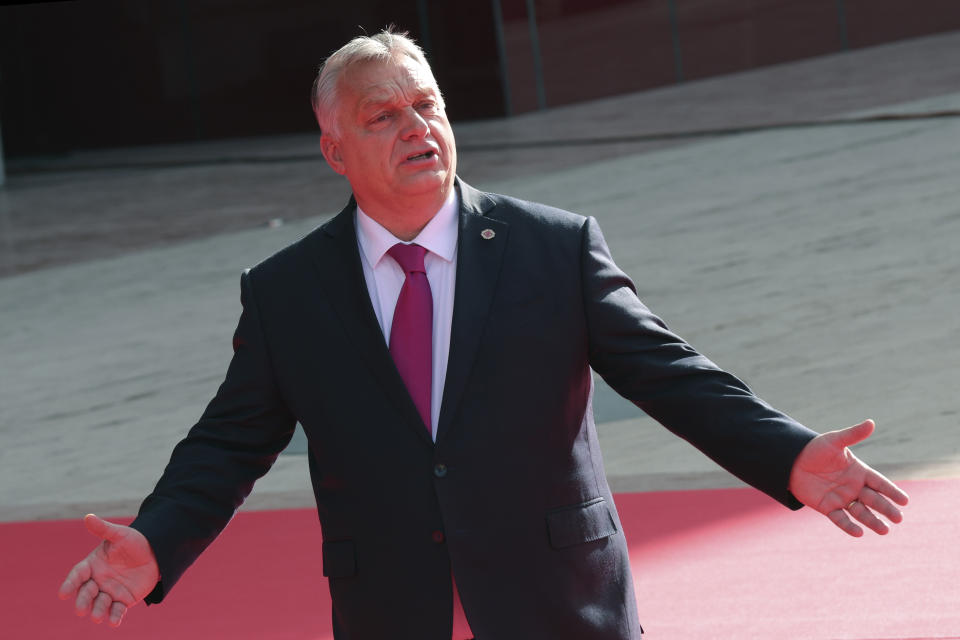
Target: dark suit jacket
column 515, row 481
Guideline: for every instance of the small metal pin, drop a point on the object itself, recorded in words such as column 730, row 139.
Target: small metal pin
column 487, row 234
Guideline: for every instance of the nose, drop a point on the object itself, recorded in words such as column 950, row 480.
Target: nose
column 414, row 125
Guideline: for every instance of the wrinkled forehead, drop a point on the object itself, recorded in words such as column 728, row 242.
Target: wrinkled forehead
column 378, row 80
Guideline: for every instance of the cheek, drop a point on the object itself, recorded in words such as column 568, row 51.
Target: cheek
column 442, row 135
column 374, row 153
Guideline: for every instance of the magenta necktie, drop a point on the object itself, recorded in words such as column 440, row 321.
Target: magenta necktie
column 411, row 335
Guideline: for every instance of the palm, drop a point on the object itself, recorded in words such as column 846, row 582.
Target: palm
column 126, row 567
column 829, row 478
column 833, row 474
column 116, row 575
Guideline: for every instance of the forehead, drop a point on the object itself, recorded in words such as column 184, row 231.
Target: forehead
column 375, row 81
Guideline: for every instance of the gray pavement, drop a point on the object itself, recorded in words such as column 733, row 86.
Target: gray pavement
column 818, row 263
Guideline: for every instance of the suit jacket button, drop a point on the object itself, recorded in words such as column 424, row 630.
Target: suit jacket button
column 440, row 470
column 437, row 536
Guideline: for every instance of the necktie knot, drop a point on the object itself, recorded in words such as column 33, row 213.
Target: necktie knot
column 409, row 257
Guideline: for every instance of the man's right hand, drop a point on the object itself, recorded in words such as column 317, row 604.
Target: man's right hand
column 117, row 574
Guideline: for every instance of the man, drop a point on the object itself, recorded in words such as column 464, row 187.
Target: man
column 435, row 342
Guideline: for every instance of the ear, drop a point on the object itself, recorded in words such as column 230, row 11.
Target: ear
column 330, row 147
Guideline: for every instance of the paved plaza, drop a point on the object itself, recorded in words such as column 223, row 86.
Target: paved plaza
column 818, row 263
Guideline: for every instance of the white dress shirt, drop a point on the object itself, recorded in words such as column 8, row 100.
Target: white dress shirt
column 385, row 278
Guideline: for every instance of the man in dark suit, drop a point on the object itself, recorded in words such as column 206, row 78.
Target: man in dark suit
column 436, row 342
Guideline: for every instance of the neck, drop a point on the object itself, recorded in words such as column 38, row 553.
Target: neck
column 405, row 218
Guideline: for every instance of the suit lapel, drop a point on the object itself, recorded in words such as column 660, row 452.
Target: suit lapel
column 337, row 257
column 479, row 256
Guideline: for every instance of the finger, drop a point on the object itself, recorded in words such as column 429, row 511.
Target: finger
column 103, row 529
column 85, row 595
column 839, row 518
column 857, row 433
column 864, row 515
column 879, row 483
column 117, row 609
column 101, row 606
column 77, row 576
column 880, row 504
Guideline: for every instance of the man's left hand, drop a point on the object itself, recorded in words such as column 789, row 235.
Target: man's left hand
column 829, row 478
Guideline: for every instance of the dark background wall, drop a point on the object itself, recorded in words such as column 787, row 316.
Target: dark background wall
column 596, row 48
column 103, row 73
column 95, row 73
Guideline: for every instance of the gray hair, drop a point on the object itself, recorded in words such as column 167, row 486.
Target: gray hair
column 383, row 46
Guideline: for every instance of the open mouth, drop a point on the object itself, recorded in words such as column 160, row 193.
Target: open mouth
column 422, row 156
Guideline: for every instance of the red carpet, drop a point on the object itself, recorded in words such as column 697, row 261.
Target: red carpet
column 708, row 565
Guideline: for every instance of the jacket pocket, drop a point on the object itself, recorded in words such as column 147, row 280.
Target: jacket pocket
column 580, row 523
column 339, row 559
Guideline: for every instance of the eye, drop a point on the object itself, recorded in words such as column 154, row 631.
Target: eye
column 427, row 105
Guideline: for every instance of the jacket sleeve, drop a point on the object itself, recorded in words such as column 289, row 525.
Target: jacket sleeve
column 213, row 469
column 635, row 353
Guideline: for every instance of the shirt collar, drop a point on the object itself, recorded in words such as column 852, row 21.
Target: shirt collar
column 439, row 236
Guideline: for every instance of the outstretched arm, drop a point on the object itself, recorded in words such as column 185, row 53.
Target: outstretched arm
column 116, row 575
column 826, row 476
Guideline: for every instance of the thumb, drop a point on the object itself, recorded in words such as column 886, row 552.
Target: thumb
column 103, row 529
column 857, row 433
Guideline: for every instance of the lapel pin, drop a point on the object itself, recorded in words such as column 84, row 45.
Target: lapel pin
column 487, row 234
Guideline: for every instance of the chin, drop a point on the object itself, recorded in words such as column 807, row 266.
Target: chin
column 425, row 183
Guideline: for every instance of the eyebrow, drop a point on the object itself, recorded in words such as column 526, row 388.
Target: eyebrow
column 370, row 105
column 386, row 98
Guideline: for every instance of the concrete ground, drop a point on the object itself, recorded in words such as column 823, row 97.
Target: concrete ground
column 819, row 263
